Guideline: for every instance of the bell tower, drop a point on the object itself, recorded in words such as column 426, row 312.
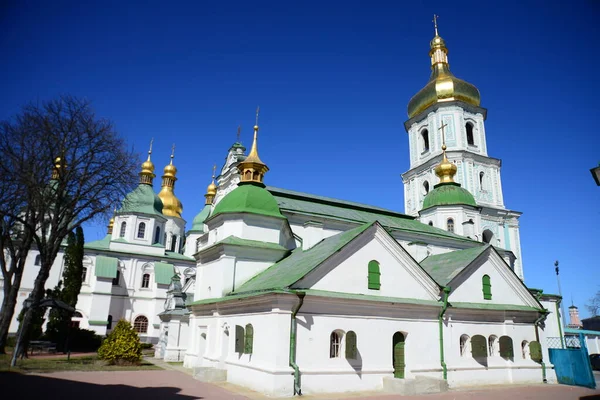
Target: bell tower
column 454, row 104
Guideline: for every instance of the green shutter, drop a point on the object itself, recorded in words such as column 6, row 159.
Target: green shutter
column 374, row 275
column 535, row 351
column 239, row 339
column 351, row 345
column 248, row 339
column 487, row 287
column 478, row 346
column 506, row 347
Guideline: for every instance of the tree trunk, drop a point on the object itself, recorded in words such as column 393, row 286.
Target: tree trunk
column 9, row 303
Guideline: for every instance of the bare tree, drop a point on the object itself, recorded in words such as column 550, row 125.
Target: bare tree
column 60, row 167
column 594, row 305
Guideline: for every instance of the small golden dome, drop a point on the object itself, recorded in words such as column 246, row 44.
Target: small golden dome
column 211, row 190
column 147, row 173
column 252, row 169
column 172, row 206
column 445, row 170
column 443, row 85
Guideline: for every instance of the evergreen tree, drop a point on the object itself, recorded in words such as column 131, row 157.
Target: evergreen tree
column 59, row 320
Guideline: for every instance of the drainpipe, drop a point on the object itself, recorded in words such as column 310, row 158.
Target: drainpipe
column 297, row 389
column 445, row 293
column 537, row 338
column 560, row 332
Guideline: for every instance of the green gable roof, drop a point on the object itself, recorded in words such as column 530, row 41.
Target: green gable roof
column 106, row 267
column 102, row 244
column 325, row 207
column 294, row 267
column 448, row 194
column 142, row 200
column 444, row 267
column 163, row 273
column 236, row 241
column 198, row 222
column 248, row 198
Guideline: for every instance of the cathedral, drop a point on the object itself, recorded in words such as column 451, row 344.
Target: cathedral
column 291, row 293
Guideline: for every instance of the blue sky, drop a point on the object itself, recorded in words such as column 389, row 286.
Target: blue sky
column 333, row 80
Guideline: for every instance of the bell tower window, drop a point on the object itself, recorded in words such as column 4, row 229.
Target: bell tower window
column 450, row 225
column 470, row 138
column 425, row 138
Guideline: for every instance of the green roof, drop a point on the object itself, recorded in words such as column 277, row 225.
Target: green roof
column 248, row 198
column 446, row 194
column 294, row 267
column 236, row 241
column 325, row 207
column 142, row 200
column 571, row 331
column 106, row 267
column 198, row 222
column 102, row 244
column 163, row 273
column 444, row 267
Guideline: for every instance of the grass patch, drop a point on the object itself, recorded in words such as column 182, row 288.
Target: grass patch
column 178, row 363
column 83, row 363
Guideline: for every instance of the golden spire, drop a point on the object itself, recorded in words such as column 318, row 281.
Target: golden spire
column 59, row 165
column 211, row 190
column 435, row 17
column 239, row 132
column 438, row 52
column 147, row 174
column 252, row 169
column 172, row 206
column 445, row 170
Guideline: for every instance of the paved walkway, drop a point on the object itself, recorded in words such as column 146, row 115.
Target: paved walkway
column 176, row 383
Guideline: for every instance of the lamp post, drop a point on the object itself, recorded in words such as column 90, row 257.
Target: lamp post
column 562, row 306
column 596, row 174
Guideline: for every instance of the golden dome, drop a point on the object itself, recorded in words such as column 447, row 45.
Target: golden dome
column 147, row 173
column 252, row 169
column 443, row 85
column 445, row 170
column 172, row 206
column 211, row 190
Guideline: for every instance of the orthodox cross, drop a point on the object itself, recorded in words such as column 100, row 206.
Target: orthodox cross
column 214, row 170
column 173, row 151
column 443, row 135
column 150, row 151
column 435, row 17
column 238, row 133
column 257, row 111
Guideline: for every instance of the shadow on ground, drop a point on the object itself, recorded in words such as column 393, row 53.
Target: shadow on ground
column 22, row 386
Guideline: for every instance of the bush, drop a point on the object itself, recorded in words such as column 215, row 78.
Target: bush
column 84, row 340
column 146, row 346
column 122, row 346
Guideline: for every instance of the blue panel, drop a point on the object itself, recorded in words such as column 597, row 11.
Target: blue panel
column 572, row 366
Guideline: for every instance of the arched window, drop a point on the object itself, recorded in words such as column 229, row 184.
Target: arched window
column 374, row 278
column 525, row 349
column 481, row 181
column 486, row 287
column 335, row 341
column 351, row 349
column 146, row 280
column 239, row 339
column 450, row 225
column 430, row 223
column 116, row 279
column 506, row 347
column 425, row 138
column 425, row 188
column 83, row 274
column 248, row 339
column 469, row 129
column 478, row 346
column 141, row 230
column 140, row 325
column 173, row 243
column 487, row 236
column 123, row 228
column 464, row 345
column 38, row 260
column 157, row 235
column 109, row 322
column 492, row 345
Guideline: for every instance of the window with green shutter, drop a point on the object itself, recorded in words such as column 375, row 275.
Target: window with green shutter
column 374, row 275
column 535, row 351
column 506, row 347
column 487, row 287
column 248, row 339
column 351, row 345
column 478, row 346
column 239, row 339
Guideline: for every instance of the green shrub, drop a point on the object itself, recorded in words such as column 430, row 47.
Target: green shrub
column 122, row 346
column 146, row 346
column 84, row 340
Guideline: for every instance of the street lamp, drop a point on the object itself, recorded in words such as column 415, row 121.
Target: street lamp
column 596, row 174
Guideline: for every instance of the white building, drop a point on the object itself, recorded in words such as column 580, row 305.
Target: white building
column 297, row 293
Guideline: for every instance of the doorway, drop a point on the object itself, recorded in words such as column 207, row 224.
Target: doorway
column 398, row 355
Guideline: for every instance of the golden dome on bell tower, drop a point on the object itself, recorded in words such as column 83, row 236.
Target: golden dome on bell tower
column 147, row 173
column 172, row 206
column 211, row 190
column 443, row 85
